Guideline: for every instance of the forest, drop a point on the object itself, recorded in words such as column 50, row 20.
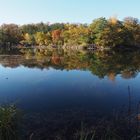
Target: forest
column 101, row 33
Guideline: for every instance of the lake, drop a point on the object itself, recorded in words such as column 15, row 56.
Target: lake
column 59, row 92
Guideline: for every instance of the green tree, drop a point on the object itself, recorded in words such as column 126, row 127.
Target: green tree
column 97, row 27
column 132, row 27
column 10, row 34
column 111, row 35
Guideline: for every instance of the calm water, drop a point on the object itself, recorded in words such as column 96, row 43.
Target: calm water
column 54, row 91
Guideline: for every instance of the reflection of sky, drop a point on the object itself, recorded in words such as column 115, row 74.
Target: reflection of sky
column 65, row 10
column 49, row 88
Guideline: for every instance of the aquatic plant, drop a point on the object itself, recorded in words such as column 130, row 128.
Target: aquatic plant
column 97, row 133
column 8, row 122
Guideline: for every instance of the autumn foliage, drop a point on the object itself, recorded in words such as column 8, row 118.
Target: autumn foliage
column 102, row 32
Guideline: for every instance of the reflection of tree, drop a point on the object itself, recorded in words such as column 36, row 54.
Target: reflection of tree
column 10, row 61
column 101, row 64
column 128, row 74
column 112, row 76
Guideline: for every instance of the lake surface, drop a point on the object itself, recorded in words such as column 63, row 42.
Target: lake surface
column 58, row 92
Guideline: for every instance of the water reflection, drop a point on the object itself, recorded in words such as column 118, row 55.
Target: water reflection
column 101, row 64
column 61, row 93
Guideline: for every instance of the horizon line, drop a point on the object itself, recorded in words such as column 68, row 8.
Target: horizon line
column 67, row 22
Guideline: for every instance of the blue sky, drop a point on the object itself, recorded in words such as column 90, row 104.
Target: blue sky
column 74, row 11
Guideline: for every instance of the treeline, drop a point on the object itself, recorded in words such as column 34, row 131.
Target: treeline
column 102, row 32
